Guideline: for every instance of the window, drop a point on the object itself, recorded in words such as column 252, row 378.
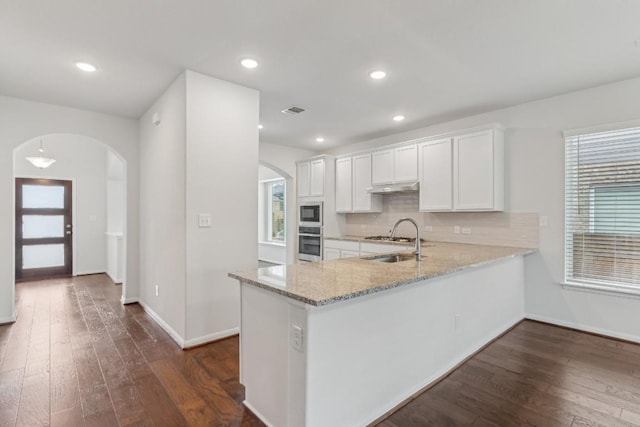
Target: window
column 602, row 209
column 275, row 210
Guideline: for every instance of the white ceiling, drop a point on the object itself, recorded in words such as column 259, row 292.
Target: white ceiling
column 445, row 59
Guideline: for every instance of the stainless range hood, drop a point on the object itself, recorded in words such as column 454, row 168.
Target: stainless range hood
column 394, row 188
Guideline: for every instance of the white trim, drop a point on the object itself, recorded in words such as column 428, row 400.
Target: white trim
column 5, row 320
column 257, row 414
column 164, row 325
column 211, row 337
column 266, row 242
column 125, row 301
column 86, row 273
column 605, row 127
column 619, row 291
column 584, row 328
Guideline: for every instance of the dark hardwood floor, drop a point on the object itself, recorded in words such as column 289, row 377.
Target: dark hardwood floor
column 77, row 357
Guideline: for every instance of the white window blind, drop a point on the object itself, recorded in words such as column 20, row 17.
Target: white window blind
column 602, row 209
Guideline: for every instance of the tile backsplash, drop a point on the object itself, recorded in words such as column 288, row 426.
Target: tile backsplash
column 489, row 228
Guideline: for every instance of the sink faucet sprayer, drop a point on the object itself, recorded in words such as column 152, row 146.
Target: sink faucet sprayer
column 418, row 252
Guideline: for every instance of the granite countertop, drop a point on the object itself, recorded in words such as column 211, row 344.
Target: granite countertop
column 327, row 282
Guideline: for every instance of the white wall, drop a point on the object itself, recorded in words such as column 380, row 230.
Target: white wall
column 284, row 159
column 162, row 208
column 221, row 176
column 21, row 121
column 82, row 160
column 116, row 194
column 534, row 173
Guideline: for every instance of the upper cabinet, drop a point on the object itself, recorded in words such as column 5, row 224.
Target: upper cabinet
column 463, row 173
column 353, row 178
column 310, row 175
column 394, row 165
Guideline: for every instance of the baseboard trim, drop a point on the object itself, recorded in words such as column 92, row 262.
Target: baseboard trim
column 205, row 339
column 257, row 414
column 584, row 328
column 126, row 301
column 89, row 273
column 7, row 320
column 164, row 325
column 114, row 280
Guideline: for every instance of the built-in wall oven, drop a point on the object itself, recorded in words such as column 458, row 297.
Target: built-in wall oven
column 310, row 243
column 310, row 231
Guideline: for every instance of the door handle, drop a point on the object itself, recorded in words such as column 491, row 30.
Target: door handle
column 68, row 232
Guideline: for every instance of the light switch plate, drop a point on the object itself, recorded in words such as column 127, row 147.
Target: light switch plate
column 204, row 220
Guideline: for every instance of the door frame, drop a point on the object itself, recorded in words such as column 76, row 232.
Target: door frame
column 73, row 221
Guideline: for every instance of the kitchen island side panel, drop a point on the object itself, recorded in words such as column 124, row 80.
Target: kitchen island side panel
column 367, row 355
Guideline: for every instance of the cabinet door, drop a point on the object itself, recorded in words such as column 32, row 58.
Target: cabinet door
column 406, row 163
column 473, row 168
column 331, row 254
column 316, row 187
column 382, row 167
column 436, row 177
column 303, row 174
column 349, row 254
column 343, row 185
column 361, row 181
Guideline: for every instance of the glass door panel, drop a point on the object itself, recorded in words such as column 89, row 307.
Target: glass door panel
column 41, row 256
column 42, row 197
column 41, row 226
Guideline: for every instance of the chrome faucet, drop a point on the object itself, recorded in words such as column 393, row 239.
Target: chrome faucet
column 418, row 252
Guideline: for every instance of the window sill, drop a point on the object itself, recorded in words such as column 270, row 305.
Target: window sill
column 615, row 290
column 266, row 242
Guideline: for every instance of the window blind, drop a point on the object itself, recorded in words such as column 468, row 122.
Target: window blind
column 602, row 208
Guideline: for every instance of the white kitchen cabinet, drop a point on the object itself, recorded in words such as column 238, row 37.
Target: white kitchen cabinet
column 344, row 185
column 310, row 176
column 382, row 167
column 436, row 176
column 349, row 254
column 394, row 165
column 478, row 171
column 382, row 248
column 463, row 173
column 331, row 253
column 303, row 176
column 406, row 163
column 363, row 201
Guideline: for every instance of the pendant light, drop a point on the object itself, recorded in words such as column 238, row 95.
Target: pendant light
column 41, row 161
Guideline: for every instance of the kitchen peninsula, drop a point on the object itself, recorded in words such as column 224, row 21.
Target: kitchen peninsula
column 342, row 342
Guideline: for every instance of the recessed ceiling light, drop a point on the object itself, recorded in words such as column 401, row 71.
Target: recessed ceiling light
column 398, row 118
column 84, row 66
column 319, row 139
column 377, row 74
column 249, row 63
column 260, row 126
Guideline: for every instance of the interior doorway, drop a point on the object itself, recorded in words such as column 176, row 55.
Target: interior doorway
column 44, row 244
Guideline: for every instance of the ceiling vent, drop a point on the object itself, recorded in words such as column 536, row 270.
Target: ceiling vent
column 293, row 110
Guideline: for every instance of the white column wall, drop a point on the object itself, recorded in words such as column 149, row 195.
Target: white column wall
column 221, row 177
column 162, row 209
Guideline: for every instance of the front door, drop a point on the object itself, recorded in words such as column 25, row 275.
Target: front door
column 43, row 229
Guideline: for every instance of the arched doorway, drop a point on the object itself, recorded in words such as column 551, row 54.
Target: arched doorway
column 97, row 176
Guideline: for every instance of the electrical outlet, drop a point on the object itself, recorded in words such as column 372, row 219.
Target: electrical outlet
column 297, row 337
column 204, row 220
column 466, row 230
column 456, row 229
column 157, row 290
column 428, row 228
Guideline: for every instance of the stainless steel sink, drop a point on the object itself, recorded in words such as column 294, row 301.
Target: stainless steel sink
column 390, row 257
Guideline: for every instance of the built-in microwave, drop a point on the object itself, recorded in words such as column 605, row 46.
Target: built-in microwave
column 310, row 214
